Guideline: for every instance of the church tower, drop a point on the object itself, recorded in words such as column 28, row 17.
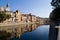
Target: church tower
column 7, row 8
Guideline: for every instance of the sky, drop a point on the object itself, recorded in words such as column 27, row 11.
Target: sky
column 41, row 8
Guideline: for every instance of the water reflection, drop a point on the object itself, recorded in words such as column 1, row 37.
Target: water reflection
column 28, row 27
column 41, row 33
column 32, row 32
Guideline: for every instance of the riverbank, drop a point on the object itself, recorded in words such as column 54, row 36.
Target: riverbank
column 16, row 23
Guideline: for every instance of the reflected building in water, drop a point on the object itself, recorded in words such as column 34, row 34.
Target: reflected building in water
column 23, row 28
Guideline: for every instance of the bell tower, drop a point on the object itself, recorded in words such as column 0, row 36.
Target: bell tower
column 7, row 5
column 7, row 8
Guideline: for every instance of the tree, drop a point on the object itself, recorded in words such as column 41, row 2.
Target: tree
column 4, row 16
column 55, row 3
column 54, row 21
column 55, row 14
column 8, row 16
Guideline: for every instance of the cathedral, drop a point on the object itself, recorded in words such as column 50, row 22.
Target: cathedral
column 15, row 16
column 6, row 8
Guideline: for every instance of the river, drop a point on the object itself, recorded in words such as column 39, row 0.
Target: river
column 40, row 33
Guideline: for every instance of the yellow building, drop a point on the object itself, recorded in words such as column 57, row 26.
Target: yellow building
column 18, row 16
column 34, row 19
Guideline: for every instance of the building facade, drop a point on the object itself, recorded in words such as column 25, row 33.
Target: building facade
column 18, row 16
column 6, row 8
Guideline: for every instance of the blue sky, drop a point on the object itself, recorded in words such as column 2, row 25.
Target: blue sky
column 41, row 8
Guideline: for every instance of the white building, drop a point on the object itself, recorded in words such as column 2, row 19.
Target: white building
column 6, row 8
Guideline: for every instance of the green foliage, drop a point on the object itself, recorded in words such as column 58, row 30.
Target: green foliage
column 4, row 16
column 4, row 35
column 55, row 3
column 55, row 14
column 8, row 16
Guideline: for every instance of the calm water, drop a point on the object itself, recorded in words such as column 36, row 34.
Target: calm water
column 41, row 33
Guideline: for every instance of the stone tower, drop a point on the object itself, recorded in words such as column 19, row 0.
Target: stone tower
column 7, row 8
